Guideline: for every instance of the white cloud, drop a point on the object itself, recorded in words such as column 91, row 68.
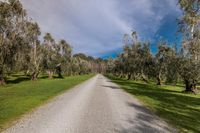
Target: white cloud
column 97, row 26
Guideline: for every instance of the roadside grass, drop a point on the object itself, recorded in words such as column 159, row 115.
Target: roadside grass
column 178, row 109
column 20, row 95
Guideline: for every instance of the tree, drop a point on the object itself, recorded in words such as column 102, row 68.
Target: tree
column 110, row 65
column 63, row 55
column 21, row 50
column 173, row 65
column 49, row 54
column 36, row 51
column 66, row 55
column 82, row 63
column 137, row 62
column 12, row 17
column 162, row 61
column 189, row 27
column 145, row 60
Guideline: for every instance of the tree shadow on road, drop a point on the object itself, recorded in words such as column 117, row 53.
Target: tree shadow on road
column 182, row 110
column 144, row 121
column 109, row 86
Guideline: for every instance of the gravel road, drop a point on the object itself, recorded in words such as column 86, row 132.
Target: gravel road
column 95, row 106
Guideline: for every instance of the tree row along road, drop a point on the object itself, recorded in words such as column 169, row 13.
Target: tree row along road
column 95, row 106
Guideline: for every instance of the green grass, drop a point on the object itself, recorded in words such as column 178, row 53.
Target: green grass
column 178, row 109
column 20, row 96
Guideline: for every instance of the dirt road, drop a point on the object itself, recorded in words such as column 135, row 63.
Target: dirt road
column 95, row 106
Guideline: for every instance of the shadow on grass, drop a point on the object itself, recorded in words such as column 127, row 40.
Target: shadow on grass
column 182, row 110
column 16, row 78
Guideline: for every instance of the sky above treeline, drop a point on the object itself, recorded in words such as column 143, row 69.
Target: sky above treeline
column 96, row 27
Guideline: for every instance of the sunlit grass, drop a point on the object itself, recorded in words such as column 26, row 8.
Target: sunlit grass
column 178, row 109
column 21, row 95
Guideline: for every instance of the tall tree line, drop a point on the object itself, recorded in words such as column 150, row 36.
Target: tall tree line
column 170, row 63
column 21, row 50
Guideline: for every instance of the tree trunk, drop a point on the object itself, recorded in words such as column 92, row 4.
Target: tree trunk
column 27, row 73
column 129, row 76
column 2, row 80
column 190, row 86
column 34, row 76
column 175, row 82
column 159, row 80
column 59, row 71
column 50, row 74
column 144, row 78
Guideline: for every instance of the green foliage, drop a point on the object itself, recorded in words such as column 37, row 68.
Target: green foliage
column 49, row 61
column 11, row 34
column 189, row 26
column 137, row 62
column 134, row 62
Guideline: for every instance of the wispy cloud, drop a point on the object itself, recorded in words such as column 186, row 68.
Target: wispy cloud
column 96, row 27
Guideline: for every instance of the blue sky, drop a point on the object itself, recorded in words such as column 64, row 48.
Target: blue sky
column 96, row 27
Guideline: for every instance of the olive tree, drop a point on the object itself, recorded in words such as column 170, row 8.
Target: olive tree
column 12, row 17
column 36, row 51
column 49, row 61
column 189, row 27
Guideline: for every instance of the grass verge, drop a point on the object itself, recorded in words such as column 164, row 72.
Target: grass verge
column 21, row 97
column 168, row 102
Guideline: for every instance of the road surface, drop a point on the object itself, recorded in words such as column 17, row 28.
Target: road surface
column 95, row 106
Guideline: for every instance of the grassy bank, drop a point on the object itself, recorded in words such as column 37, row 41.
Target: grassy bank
column 178, row 109
column 20, row 96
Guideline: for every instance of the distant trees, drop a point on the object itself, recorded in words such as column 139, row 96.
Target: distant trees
column 87, row 64
column 21, row 49
column 136, row 62
column 170, row 63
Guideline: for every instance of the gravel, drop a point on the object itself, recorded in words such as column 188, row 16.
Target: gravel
column 95, row 106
